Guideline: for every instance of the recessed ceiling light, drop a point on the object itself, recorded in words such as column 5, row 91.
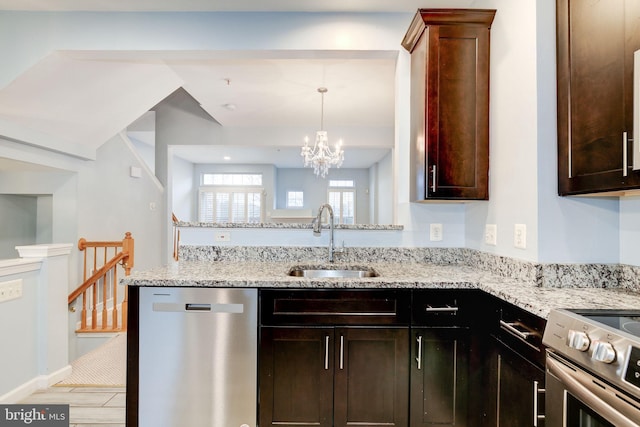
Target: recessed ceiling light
column 230, row 107
column 227, row 158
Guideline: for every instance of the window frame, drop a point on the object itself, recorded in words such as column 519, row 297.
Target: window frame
column 338, row 211
column 288, row 206
column 233, row 191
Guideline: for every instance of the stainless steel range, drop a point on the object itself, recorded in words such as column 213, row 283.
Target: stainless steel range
column 593, row 368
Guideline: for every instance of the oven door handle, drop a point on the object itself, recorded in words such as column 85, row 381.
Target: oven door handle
column 582, row 392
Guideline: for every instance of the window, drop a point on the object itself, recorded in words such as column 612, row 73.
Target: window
column 234, row 179
column 295, row 199
column 231, row 198
column 341, row 183
column 342, row 198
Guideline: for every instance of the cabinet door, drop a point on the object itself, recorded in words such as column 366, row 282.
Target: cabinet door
column 440, row 381
column 510, row 390
column 596, row 41
column 296, row 376
column 449, row 103
column 371, row 377
column 457, row 112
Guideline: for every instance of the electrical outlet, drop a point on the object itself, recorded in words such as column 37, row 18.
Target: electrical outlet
column 435, row 232
column 10, row 290
column 222, row 236
column 520, row 236
column 491, row 234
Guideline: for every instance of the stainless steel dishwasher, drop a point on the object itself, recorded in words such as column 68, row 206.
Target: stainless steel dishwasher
column 198, row 357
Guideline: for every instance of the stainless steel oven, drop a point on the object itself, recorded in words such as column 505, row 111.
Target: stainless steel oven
column 592, row 368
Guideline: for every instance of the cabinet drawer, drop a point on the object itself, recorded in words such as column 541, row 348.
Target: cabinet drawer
column 522, row 331
column 334, row 307
column 446, row 307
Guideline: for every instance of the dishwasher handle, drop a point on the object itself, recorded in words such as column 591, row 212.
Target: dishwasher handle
column 198, row 307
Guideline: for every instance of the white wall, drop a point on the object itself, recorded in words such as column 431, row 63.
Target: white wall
column 315, row 188
column 44, row 219
column 513, row 138
column 416, row 217
column 62, row 186
column 629, row 230
column 146, row 152
column 19, row 332
column 19, row 218
column 111, row 202
column 184, row 206
column 523, row 159
column 522, row 120
column 381, row 191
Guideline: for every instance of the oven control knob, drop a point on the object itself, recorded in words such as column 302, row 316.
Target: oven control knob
column 578, row 340
column 603, row 352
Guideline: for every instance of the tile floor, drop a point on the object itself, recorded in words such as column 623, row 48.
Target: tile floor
column 88, row 406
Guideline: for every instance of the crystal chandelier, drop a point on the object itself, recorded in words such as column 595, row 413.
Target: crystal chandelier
column 321, row 157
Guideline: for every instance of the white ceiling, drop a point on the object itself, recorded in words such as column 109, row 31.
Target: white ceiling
column 272, row 94
column 231, row 5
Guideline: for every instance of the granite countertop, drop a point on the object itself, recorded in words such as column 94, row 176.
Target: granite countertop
column 287, row 226
column 254, row 274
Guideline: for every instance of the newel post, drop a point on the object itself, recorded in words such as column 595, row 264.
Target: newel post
column 128, row 248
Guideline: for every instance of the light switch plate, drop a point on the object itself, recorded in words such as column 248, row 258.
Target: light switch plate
column 10, row 290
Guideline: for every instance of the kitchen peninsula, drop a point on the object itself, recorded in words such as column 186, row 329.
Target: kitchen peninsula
column 467, row 289
column 536, row 288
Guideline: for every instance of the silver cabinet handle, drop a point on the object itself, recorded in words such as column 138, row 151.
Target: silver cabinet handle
column 446, row 309
column 624, row 154
column 536, row 391
column 326, row 352
column 341, row 351
column 433, row 178
column 509, row 327
column 419, row 357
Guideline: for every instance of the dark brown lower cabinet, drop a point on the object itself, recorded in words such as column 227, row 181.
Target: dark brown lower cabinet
column 340, row 376
column 440, row 377
column 511, row 389
column 296, row 380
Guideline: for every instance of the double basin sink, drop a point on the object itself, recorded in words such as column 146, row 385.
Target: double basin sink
column 340, row 272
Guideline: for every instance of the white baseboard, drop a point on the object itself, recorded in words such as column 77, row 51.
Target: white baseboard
column 40, row 382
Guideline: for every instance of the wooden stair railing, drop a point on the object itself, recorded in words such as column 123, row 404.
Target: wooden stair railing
column 99, row 291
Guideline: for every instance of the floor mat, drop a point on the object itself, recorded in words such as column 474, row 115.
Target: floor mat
column 105, row 366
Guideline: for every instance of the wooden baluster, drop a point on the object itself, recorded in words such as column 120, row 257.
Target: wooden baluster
column 125, row 308
column 83, row 314
column 108, row 290
column 104, row 299
column 94, row 306
column 114, row 318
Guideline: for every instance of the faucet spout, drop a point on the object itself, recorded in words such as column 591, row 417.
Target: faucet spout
column 317, row 223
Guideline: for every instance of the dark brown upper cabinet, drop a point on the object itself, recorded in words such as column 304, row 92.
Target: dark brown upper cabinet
column 595, row 55
column 449, row 103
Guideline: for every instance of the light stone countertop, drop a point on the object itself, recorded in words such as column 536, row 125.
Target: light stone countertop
column 255, row 274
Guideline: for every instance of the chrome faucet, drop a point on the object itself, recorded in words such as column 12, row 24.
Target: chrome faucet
column 317, row 223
